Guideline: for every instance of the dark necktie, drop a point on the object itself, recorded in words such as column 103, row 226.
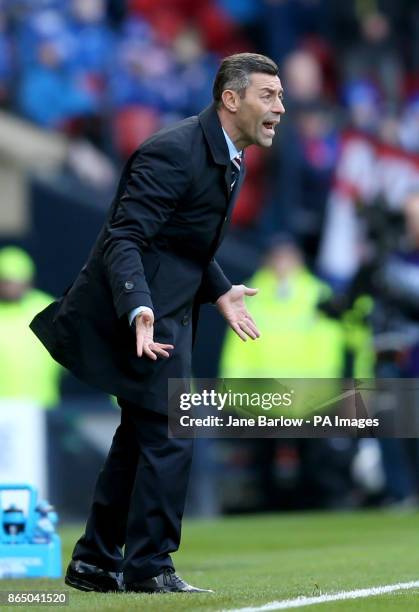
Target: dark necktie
column 235, row 169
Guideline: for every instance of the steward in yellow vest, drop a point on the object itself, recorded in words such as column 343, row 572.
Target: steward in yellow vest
column 27, row 371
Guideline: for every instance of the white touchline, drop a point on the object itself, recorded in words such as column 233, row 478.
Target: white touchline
column 300, row 602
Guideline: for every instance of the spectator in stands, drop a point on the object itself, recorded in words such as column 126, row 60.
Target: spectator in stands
column 195, row 69
column 6, row 65
column 92, row 44
column 92, row 38
column 303, row 158
column 292, row 331
column 303, row 76
column 49, row 93
column 39, row 22
column 375, row 58
column 145, row 72
column 389, row 129
column 399, row 296
column 288, row 346
column 286, row 23
column 364, row 106
column 409, row 126
column 26, row 371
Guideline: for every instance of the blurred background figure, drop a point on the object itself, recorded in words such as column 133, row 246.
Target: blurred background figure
column 54, row 91
column 6, row 67
column 362, row 99
column 396, row 323
column 303, row 157
column 26, row 372
column 326, row 224
column 291, row 324
column 375, row 58
column 293, row 327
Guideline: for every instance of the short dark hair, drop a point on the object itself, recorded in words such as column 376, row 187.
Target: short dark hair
column 235, row 71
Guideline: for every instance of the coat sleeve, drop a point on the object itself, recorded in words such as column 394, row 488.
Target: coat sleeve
column 214, row 283
column 158, row 179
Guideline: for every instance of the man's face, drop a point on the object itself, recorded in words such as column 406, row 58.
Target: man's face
column 12, row 290
column 259, row 111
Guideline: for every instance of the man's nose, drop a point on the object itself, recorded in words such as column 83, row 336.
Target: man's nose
column 278, row 107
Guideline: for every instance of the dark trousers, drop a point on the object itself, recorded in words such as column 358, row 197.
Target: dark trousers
column 139, row 498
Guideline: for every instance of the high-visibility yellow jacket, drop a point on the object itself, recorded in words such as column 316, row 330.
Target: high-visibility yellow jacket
column 27, row 371
column 296, row 339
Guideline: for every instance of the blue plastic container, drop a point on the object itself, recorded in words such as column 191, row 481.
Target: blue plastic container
column 29, row 544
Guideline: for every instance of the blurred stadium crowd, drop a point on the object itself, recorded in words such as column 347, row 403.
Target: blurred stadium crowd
column 114, row 72
column 327, row 224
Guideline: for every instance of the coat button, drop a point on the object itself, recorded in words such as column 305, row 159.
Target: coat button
column 185, row 320
column 129, row 285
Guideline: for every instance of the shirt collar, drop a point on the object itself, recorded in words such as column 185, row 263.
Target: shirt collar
column 233, row 152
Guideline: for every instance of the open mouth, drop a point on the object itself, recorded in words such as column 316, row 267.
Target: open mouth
column 269, row 127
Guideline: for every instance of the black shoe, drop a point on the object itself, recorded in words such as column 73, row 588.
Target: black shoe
column 166, row 582
column 86, row 577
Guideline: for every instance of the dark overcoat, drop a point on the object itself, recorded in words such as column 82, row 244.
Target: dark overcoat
column 156, row 249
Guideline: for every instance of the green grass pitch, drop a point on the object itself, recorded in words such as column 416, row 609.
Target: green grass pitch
column 253, row 560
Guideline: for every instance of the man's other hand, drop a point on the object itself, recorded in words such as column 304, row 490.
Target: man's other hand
column 144, row 329
column 231, row 305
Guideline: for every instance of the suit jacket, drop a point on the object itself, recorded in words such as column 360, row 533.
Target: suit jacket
column 156, row 249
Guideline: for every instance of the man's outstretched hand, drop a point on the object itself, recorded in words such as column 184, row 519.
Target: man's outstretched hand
column 144, row 329
column 231, row 305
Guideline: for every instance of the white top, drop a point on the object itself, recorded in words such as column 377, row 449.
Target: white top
column 231, row 146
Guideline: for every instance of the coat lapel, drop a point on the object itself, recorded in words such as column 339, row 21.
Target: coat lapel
column 211, row 126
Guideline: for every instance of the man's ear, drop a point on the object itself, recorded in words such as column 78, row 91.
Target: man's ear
column 231, row 100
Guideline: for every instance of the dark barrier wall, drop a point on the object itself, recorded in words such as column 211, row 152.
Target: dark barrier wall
column 64, row 227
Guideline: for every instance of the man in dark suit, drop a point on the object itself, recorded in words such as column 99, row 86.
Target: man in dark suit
column 126, row 324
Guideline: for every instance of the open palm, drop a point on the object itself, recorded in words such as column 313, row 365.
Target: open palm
column 144, row 329
column 233, row 308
